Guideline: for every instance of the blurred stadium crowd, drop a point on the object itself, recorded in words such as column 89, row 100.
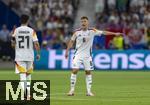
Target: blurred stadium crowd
column 131, row 17
column 54, row 20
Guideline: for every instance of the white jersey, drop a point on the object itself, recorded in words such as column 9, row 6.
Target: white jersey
column 24, row 49
column 84, row 41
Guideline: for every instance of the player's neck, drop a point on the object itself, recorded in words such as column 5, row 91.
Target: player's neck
column 24, row 24
column 84, row 29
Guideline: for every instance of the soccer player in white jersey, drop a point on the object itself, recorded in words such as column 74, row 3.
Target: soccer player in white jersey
column 84, row 41
column 24, row 39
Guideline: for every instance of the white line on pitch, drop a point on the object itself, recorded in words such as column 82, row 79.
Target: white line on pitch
column 56, row 94
column 74, row 99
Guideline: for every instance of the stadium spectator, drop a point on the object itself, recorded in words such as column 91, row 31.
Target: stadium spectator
column 118, row 43
column 136, row 3
column 137, row 39
column 113, row 21
column 44, row 45
column 4, row 33
column 148, row 36
column 5, row 42
column 111, row 45
column 122, row 5
column 111, row 4
column 99, row 7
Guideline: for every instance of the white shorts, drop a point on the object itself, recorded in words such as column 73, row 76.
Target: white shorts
column 86, row 61
column 24, row 66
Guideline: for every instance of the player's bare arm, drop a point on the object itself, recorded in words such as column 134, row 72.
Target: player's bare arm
column 13, row 42
column 37, row 47
column 70, row 44
column 111, row 33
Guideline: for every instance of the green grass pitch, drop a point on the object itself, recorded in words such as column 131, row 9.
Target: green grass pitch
column 110, row 87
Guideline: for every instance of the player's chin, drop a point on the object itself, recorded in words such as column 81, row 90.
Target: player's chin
column 84, row 27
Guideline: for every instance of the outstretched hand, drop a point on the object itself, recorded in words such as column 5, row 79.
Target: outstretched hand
column 118, row 34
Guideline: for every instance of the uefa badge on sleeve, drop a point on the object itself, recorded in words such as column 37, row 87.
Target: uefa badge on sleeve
column 11, row 93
